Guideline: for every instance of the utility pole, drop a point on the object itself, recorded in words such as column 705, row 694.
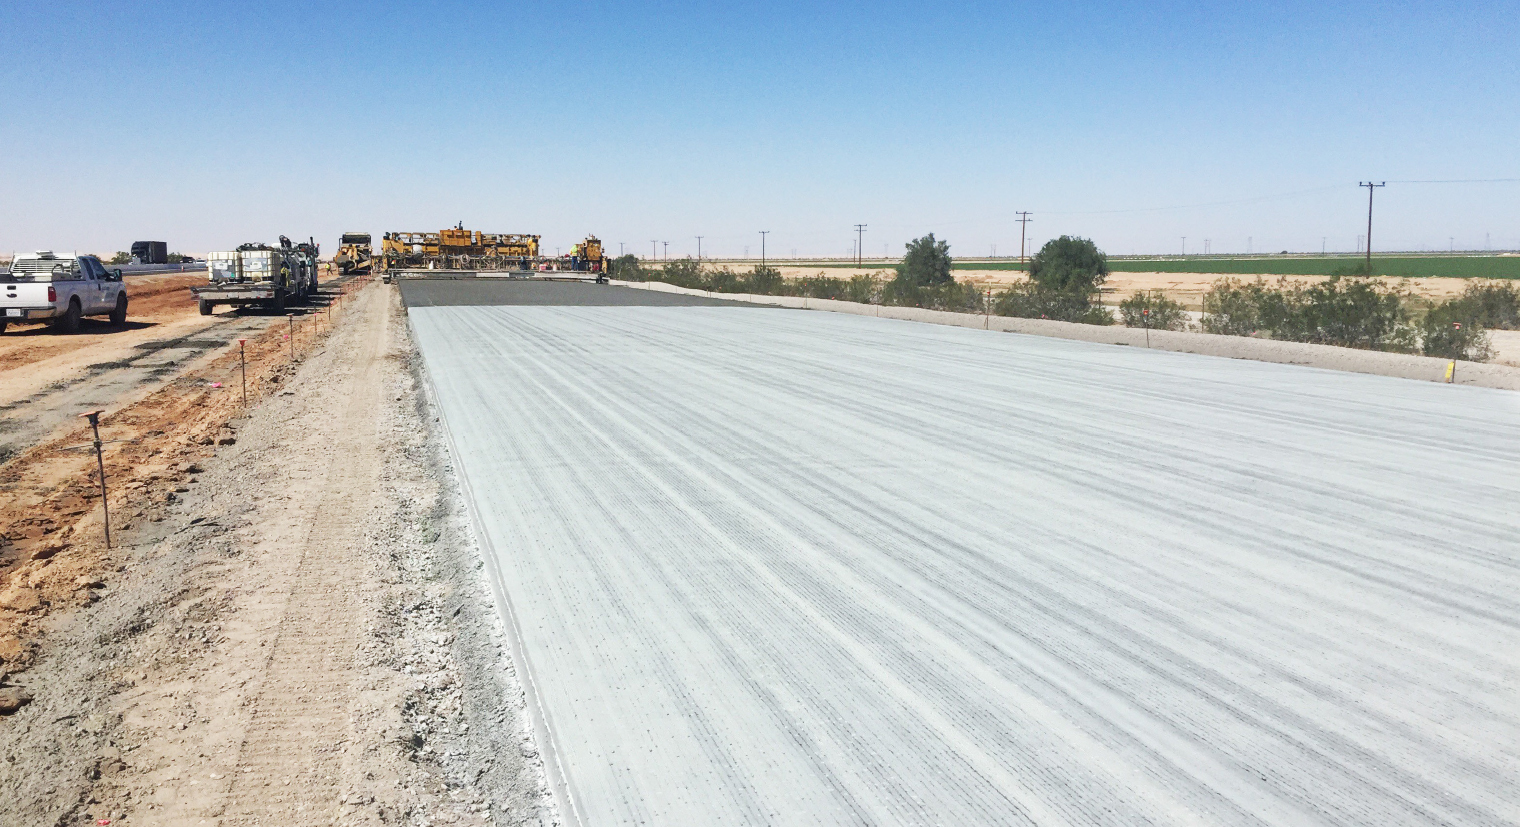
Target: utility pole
column 699, row 249
column 1023, row 232
column 667, row 249
column 620, row 249
column 1370, row 187
column 859, row 232
column 1184, row 246
column 762, row 248
column 654, row 250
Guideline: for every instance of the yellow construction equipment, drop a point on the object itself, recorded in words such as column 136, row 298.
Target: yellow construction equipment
column 459, row 249
column 354, row 253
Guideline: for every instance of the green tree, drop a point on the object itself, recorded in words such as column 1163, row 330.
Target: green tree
column 1069, row 265
column 627, row 268
column 927, row 263
column 121, row 258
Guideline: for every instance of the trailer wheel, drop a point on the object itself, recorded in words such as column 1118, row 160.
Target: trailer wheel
column 119, row 315
column 279, row 300
column 69, row 321
column 207, row 307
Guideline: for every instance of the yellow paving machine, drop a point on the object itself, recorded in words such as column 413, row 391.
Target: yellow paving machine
column 457, row 250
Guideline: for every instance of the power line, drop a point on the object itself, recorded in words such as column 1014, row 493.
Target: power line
column 1459, row 181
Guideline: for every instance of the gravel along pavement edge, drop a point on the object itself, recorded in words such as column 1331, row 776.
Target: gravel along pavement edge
column 305, row 637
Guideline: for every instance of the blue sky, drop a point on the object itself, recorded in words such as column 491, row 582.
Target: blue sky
column 212, row 124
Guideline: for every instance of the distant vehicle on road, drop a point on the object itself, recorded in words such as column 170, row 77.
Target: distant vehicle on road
column 150, row 252
column 64, row 290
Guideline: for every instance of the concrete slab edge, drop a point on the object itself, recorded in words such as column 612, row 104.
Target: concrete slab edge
column 543, row 732
column 1326, row 357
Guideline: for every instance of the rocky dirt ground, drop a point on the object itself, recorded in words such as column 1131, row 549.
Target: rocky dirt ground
column 291, row 628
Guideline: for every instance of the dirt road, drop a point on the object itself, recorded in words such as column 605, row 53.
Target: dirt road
column 301, row 639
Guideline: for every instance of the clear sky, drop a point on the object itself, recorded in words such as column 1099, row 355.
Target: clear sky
column 211, row 124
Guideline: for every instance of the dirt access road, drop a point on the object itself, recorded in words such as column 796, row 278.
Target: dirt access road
column 300, row 638
column 49, row 378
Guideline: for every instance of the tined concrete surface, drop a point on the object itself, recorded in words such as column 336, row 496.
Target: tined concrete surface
column 803, row 568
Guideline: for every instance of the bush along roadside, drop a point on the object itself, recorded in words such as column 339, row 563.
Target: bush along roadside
column 1154, row 310
column 1358, row 312
column 1067, row 273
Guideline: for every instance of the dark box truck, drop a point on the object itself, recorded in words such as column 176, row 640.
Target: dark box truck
column 150, row 252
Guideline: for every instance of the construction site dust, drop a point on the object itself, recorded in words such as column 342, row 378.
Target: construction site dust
column 445, row 530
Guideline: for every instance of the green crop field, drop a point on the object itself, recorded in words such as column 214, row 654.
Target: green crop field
column 1487, row 267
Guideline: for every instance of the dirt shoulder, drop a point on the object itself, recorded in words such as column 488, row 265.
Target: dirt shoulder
column 301, row 637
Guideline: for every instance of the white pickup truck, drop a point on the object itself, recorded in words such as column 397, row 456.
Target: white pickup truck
column 44, row 286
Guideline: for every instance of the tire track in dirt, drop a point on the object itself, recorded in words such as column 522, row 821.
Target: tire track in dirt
column 290, row 760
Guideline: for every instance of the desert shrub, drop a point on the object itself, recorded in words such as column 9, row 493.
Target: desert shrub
column 763, row 280
column 1028, row 300
column 121, row 257
column 1450, row 331
column 951, row 295
column 1349, row 312
column 865, row 289
column 1153, row 309
column 1493, row 306
column 684, row 272
column 821, row 287
column 1232, row 307
column 723, row 280
column 627, row 268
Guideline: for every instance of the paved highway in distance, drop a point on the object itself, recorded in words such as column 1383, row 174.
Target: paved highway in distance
column 786, row 567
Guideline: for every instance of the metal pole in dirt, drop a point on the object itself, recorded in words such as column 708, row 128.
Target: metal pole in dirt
column 243, row 366
column 292, row 336
column 100, row 465
column 987, row 318
column 1145, row 321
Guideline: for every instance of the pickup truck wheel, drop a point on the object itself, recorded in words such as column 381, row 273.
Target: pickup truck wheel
column 3, row 323
column 69, row 321
column 207, row 308
column 119, row 315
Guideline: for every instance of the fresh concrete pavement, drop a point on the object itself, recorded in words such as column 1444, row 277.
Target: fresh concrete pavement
column 776, row 566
